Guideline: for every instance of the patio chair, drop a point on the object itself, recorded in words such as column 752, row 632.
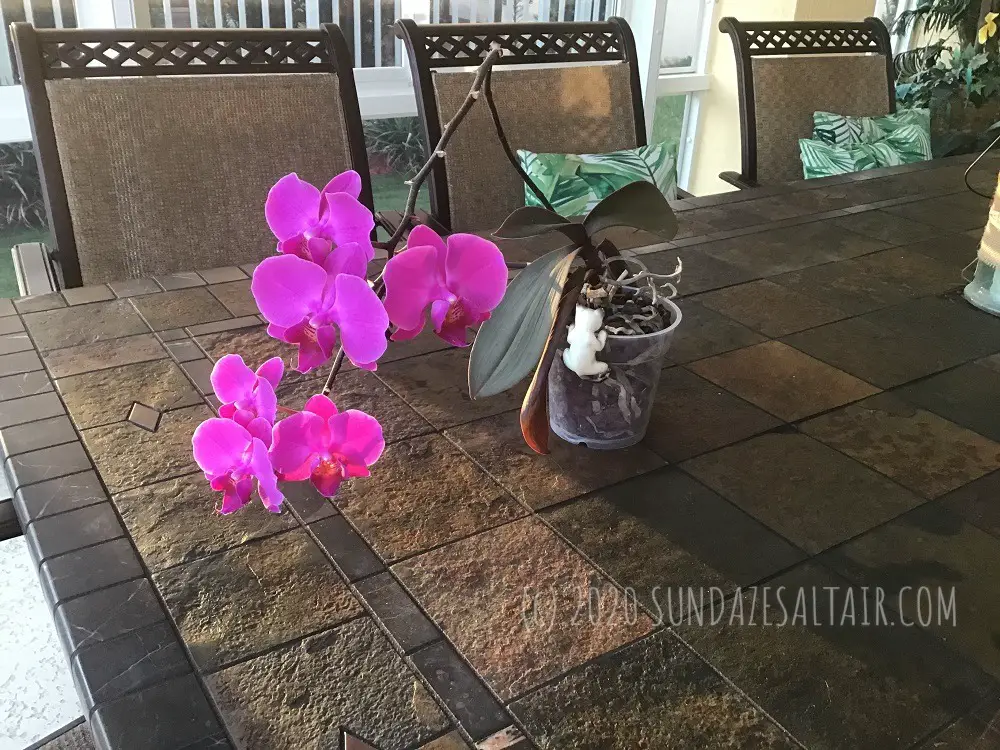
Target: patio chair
column 157, row 146
column 586, row 99
column 788, row 70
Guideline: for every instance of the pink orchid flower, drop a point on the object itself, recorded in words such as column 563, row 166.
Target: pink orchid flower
column 313, row 223
column 248, row 397
column 461, row 282
column 326, row 446
column 307, row 305
column 234, row 461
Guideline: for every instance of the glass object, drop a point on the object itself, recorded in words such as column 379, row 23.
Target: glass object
column 682, row 35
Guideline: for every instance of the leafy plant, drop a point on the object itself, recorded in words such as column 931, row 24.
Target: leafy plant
column 21, row 202
column 518, row 339
column 397, row 140
column 970, row 71
column 960, row 17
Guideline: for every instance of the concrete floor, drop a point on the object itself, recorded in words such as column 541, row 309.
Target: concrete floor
column 37, row 695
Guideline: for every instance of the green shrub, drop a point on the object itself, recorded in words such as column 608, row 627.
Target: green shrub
column 21, row 202
column 398, row 141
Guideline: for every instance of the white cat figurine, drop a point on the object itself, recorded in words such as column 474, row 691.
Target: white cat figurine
column 585, row 339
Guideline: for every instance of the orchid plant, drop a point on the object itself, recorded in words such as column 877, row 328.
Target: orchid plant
column 315, row 294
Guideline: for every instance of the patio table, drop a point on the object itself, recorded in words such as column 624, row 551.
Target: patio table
column 828, row 417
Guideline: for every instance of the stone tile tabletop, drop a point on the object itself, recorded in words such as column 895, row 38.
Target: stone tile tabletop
column 826, row 431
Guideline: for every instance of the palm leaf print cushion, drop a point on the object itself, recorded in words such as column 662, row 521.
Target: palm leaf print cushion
column 842, row 144
column 575, row 183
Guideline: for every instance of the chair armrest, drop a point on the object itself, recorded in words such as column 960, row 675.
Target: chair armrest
column 10, row 527
column 33, row 268
column 737, row 179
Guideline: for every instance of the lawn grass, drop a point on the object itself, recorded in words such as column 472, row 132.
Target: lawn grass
column 10, row 236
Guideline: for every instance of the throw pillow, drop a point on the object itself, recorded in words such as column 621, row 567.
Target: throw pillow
column 575, row 183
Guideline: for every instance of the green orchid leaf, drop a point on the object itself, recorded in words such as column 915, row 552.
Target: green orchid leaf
column 531, row 221
column 639, row 205
column 509, row 345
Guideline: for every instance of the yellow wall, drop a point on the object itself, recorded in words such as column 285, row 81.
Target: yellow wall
column 718, row 136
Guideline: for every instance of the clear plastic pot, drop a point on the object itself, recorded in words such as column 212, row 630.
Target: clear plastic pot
column 613, row 412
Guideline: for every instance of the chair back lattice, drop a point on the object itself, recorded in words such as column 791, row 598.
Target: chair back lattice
column 559, row 87
column 157, row 147
column 787, row 71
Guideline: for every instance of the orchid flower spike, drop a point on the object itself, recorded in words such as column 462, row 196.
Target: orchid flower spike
column 460, row 281
column 308, row 305
column 326, row 446
column 313, row 223
column 234, row 462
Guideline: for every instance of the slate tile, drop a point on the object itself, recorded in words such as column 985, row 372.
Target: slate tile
column 56, row 535
column 348, row 550
column 89, row 357
column 704, row 333
column 349, row 677
column 837, row 684
column 128, row 456
column 847, row 285
column 35, row 435
column 15, row 342
column 477, row 711
column 954, row 250
column 108, row 670
column 229, row 324
column 235, row 296
column 84, row 621
column 437, row 386
column 769, row 308
column 654, row 693
column 977, row 502
column 47, row 463
column 961, row 396
column 59, row 495
column 222, row 275
column 948, row 563
column 39, row 302
column 692, row 416
column 86, row 294
column 920, row 450
column 105, row 396
column 397, row 612
column 977, row 730
column 954, row 213
column 781, row 380
column 178, row 309
column 913, row 273
column 7, row 308
column 306, row 502
column 183, row 280
column 807, row 492
column 173, row 522
column 84, row 324
column 199, row 372
column 424, row 343
column 246, row 600
column 496, row 444
column 30, row 409
column 480, row 590
column 169, row 715
column 25, row 384
column 21, row 362
column 89, row 569
column 425, row 493
column 887, row 227
column 133, row 287
column 664, row 532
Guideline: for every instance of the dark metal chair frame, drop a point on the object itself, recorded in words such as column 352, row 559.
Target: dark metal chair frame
column 434, row 46
column 761, row 39
column 47, row 54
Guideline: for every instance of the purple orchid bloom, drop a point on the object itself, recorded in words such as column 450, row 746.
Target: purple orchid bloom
column 461, row 282
column 313, row 224
column 248, row 397
column 234, row 461
column 326, row 446
column 307, row 305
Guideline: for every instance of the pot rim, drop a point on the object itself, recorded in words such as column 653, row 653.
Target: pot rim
column 675, row 314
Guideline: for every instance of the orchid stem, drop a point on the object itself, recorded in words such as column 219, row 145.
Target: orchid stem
column 417, row 182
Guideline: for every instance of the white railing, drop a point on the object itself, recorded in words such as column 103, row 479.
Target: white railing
column 47, row 14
